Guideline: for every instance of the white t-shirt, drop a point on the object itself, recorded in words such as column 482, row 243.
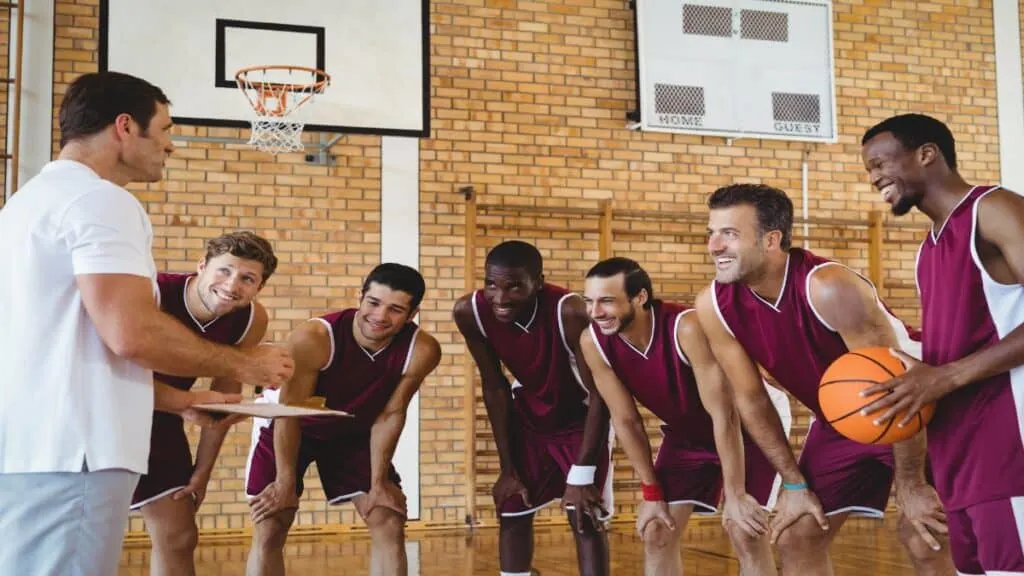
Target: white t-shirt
column 65, row 398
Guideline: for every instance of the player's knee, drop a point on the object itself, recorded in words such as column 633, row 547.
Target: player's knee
column 746, row 544
column 386, row 527
column 659, row 539
column 802, row 537
column 270, row 534
column 183, row 539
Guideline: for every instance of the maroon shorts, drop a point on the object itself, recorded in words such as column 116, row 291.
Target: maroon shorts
column 692, row 475
column 847, row 476
column 170, row 461
column 343, row 464
column 542, row 462
column 988, row 537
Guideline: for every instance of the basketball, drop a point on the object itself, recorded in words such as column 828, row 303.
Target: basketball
column 839, row 396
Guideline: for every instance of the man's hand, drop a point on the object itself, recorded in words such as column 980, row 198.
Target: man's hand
column 196, row 489
column 793, row 504
column 746, row 513
column 385, row 495
column 206, row 419
column 654, row 512
column 920, row 505
column 507, row 486
column 274, row 498
column 916, row 388
column 267, row 365
column 586, row 501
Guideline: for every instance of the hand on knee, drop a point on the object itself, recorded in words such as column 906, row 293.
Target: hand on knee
column 386, row 526
column 919, row 551
column 659, row 539
column 802, row 538
column 746, row 544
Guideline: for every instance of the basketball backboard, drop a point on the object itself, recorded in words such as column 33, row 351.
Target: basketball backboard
column 376, row 53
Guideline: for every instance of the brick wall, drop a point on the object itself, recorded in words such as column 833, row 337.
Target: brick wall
column 528, row 106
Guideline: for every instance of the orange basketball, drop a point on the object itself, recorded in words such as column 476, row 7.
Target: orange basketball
column 839, row 396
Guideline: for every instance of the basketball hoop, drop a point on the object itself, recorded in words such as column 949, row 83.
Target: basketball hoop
column 275, row 93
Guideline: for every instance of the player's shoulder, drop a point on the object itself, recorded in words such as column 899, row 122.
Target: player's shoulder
column 835, row 282
column 463, row 313
column 998, row 204
column 687, row 324
column 426, row 346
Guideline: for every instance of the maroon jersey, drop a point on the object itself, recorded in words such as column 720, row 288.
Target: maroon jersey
column 355, row 380
column 975, row 438
column 548, row 394
column 788, row 337
column 661, row 378
column 228, row 329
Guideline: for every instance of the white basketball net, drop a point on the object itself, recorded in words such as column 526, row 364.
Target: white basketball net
column 277, row 95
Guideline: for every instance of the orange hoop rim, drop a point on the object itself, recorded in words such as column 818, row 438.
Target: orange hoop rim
column 325, row 78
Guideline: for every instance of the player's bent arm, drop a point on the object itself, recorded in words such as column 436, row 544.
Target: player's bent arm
column 387, row 428
column 848, row 304
column 122, row 308
column 212, row 438
column 717, row 399
column 1001, row 226
column 310, row 345
column 497, row 391
column 755, row 407
column 629, row 425
column 575, row 320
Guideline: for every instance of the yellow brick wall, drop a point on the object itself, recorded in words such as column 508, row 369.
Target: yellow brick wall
column 528, row 105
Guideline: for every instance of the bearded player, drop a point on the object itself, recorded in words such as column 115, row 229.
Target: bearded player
column 549, row 424
column 368, row 361
column 217, row 303
column 970, row 272
column 794, row 313
column 641, row 349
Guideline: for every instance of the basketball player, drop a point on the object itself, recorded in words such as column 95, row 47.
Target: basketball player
column 794, row 313
column 970, row 269
column 217, row 303
column 654, row 351
column 368, row 361
column 550, row 427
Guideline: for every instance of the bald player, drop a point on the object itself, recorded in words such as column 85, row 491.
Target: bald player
column 970, row 272
column 794, row 313
column 368, row 361
column 215, row 302
column 655, row 352
column 549, row 424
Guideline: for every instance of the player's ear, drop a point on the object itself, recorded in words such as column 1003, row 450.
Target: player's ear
column 201, row 265
column 927, row 154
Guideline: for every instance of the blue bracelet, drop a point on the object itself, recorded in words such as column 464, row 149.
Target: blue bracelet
column 801, row 486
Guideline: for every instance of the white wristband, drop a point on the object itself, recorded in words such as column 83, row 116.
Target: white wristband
column 581, row 475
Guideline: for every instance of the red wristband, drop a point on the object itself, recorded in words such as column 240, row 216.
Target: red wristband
column 652, row 492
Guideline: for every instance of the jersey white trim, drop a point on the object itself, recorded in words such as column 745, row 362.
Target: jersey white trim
column 573, row 363
column 476, row 315
column 252, row 316
column 412, row 347
column 718, row 309
column 675, row 337
column 931, row 232
column 650, row 341
column 1005, row 303
column 906, row 344
column 782, row 290
column 330, row 334
column 597, row 343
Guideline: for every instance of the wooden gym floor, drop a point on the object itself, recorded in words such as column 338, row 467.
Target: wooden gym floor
column 863, row 547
